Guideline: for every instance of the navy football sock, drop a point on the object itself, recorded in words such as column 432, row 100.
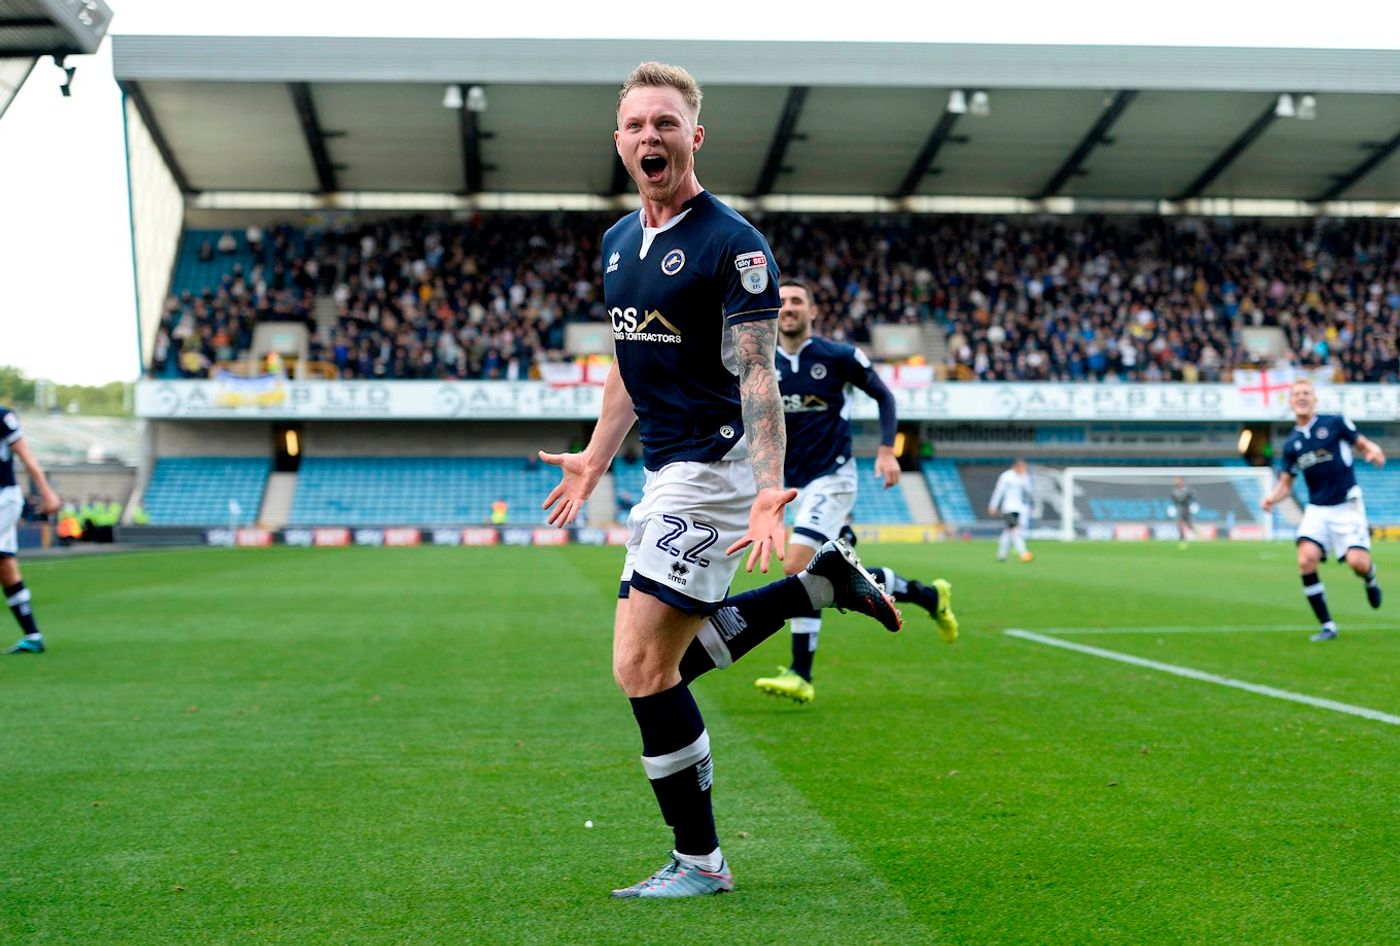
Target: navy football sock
column 17, row 597
column 676, row 756
column 743, row 622
column 1317, row 597
column 805, row 630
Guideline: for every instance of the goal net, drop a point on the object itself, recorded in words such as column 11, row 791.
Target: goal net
column 1119, row 502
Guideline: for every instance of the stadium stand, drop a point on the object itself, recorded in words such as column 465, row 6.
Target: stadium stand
column 194, row 491
column 418, row 491
column 1018, row 298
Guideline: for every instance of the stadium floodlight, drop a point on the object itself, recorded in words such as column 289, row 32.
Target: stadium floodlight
column 1307, row 107
column 452, row 97
column 957, row 102
column 1284, row 107
column 980, row 104
column 1125, row 502
column 476, row 99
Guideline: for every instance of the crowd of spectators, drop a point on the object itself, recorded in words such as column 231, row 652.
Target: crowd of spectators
column 1021, row 298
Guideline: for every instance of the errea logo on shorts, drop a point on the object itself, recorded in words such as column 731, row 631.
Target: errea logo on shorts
column 753, row 271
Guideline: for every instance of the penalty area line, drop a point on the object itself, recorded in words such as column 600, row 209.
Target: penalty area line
column 1205, row 677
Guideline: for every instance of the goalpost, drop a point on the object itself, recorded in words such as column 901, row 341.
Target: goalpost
column 1136, row 502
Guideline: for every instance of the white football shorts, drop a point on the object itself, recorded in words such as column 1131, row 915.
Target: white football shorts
column 689, row 514
column 1336, row 528
column 823, row 506
column 11, row 505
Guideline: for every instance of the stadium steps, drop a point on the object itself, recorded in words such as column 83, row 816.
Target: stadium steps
column 935, row 344
column 918, row 498
column 324, row 311
column 277, row 500
column 602, row 505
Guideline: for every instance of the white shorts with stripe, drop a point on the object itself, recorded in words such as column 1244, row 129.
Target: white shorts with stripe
column 11, row 505
column 1336, row 528
column 823, row 506
column 689, row 514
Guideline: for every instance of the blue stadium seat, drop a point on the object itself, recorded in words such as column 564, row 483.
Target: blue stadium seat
column 1381, row 491
column 193, row 276
column 418, row 491
column 949, row 493
column 196, row 491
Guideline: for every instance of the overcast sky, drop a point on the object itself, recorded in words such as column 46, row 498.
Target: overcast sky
column 67, row 306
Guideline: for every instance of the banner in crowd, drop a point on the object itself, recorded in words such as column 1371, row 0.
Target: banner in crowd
column 1260, row 398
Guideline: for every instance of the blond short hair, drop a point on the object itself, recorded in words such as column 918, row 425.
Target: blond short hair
column 660, row 75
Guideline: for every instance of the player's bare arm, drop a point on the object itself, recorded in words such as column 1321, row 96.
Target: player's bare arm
column 50, row 503
column 766, row 431
column 582, row 471
column 1370, row 451
column 1284, row 487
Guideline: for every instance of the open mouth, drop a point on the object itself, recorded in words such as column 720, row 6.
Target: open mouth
column 653, row 166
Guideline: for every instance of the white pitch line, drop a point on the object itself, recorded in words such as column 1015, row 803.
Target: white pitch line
column 1190, row 674
column 1207, row 629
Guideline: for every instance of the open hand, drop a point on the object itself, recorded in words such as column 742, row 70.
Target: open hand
column 767, row 532
column 574, row 488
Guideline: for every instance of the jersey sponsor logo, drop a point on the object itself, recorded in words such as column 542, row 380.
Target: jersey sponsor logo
column 753, row 271
column 1313, row 458
column 628, row 326
column 612, row 263
column 673, row 262
column 819, row 371
column 802, row 404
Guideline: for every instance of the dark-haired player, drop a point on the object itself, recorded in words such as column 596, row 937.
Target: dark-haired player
column 815, row 375
column 1321, row 447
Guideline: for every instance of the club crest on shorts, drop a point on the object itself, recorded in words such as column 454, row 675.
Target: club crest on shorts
column 673, row 262
column 818, row 372
column 753, row 271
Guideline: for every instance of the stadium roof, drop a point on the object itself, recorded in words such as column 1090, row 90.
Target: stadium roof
column 33, row 28
column 884, row 120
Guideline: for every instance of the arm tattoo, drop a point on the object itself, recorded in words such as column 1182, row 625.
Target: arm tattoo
column 764, row 425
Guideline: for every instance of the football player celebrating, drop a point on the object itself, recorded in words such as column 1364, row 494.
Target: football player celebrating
column 1322, row 446
column 815, row 376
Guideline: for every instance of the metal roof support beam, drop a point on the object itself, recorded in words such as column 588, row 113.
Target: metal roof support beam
column 621, row 180
column 1228, row 156
column 27, row 23
column 787, row 126
column 1097, row 135
column 923, row 164
column 473, row 171
column 315, row 136
column 1345, row 181
column 132, row 90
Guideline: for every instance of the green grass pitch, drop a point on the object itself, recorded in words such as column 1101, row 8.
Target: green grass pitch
column 401, row 746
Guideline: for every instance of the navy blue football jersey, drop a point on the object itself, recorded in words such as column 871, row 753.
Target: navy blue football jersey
column 814, row 383
column 9, row 433
column 1322, row 451
column 673, row 293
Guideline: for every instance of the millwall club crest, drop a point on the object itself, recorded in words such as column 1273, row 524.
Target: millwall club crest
column 818, row 372
column 753, row 271
column 673, row 262
column 1321, row 433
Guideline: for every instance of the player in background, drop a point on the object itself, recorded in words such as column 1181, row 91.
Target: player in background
column 814, row 375
column 11, row 502
column 691, row 288
column 1321, row 446
column 1184, row 508
column 1012, row 501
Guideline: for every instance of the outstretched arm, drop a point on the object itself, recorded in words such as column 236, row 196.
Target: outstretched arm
column 581, row 471
column 49, row 501
column 766, row 431
column 1370, row 451
column 1282, row 489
